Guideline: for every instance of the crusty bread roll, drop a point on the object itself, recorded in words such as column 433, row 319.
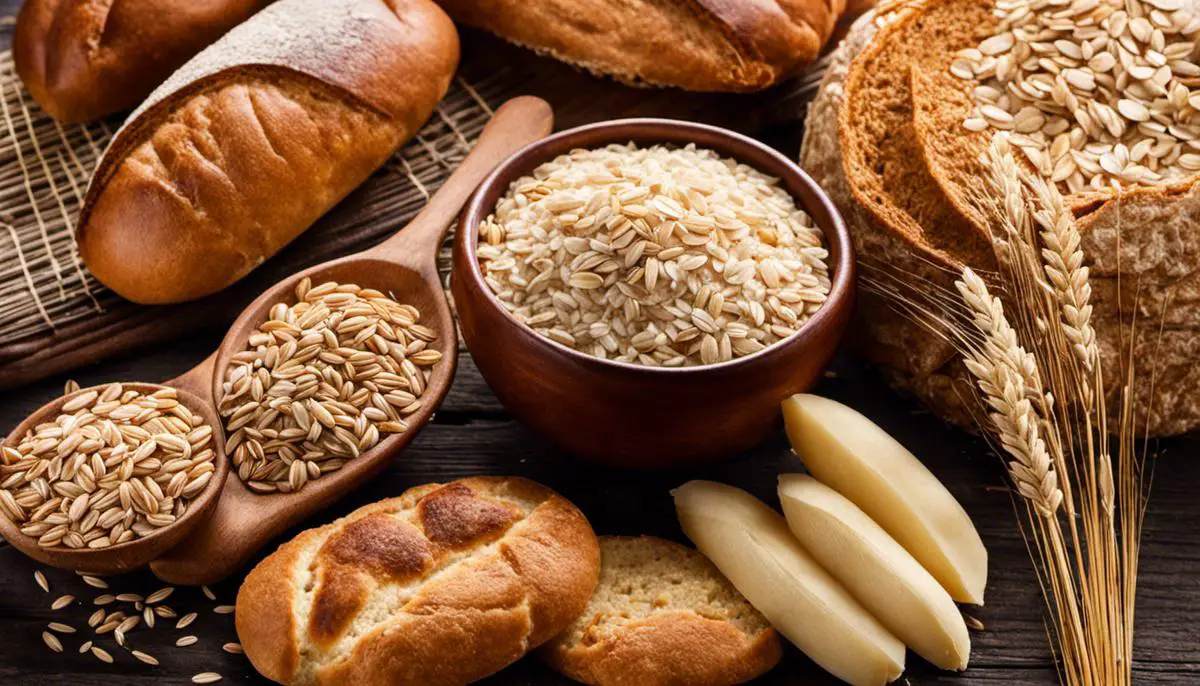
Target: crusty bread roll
column 82, row 60
column 442, row 585
column 662, row 615
column 259, row 135
column 701, row 45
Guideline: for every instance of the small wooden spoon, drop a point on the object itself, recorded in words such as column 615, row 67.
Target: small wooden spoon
column 404, row 265
column 133, row 554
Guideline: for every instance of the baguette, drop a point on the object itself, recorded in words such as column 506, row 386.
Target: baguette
column 700, row 45
column 250, row 142
column 82, row 60
column 442, row 585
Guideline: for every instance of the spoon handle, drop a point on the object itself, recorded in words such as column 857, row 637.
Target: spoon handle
column 518, row 122
column 198, row 380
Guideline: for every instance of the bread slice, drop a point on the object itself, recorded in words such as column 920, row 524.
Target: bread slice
column 701, row 45
column 663, row 615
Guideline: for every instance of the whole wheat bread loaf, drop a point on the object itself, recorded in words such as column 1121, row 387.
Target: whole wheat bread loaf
column 884, row 137
column 440, row 586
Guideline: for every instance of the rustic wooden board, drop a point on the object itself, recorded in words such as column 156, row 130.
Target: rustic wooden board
column 473, row 435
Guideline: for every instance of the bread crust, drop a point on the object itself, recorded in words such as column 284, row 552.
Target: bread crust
column 82, row 60
column 668, row 648
column 701, row 45
column 248, row 144
column 442, row 585
column 1144, row 232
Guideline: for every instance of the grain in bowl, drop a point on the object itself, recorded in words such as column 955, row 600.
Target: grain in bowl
column 320, row 381
column 115, row 464
column 654, row 255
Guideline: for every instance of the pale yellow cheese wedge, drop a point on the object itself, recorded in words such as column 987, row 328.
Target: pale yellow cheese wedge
column 878, row 572
column 752, row 546
column 849, row 453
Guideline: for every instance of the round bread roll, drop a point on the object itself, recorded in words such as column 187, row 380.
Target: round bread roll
column 442, row 585
column 662, row 615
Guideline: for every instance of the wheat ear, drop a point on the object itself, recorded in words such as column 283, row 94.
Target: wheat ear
column 1007, row 375
column 1063, row 264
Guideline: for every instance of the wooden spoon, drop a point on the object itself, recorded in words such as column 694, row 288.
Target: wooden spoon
column 404, row 265
column 133, row 554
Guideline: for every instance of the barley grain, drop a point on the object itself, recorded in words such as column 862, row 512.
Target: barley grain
column 62, row 601
column 52, row 642
column 224, row 609
column 94, row 477
column 206, row 678
column 185, row 621
column 144, row 657
column 637, row 254
column 101, row 654
column 87, row 645
column 40, row 578
column 160, row 595
column 93, row 581
column 295, row 402
column 61, row 628
column 186, row 641
column 234, row 648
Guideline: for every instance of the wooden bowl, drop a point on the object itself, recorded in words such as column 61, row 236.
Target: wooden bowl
column 136, row 553
column 632, row 415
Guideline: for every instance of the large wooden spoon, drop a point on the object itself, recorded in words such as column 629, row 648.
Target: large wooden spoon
column 404, row 265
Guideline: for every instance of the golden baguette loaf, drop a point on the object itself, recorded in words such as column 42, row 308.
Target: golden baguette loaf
column 884, row 137
column 82, row 60
column 700, row 45
column 255, row 138
column 663, row 615
column 442, row 585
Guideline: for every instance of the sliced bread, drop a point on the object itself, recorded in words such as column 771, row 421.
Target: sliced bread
column 662, row 615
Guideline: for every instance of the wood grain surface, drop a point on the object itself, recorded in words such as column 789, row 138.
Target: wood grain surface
column 472, row 434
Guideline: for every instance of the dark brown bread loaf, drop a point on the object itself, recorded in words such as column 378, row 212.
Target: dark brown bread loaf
column 442, row 585
column 256, row 137
column 884, row 137
column 702, row 45
column 82, row 59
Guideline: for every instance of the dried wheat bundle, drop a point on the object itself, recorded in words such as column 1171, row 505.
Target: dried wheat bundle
column 1029, row 342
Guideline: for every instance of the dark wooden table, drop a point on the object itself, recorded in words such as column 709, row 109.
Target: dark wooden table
column 473, row 434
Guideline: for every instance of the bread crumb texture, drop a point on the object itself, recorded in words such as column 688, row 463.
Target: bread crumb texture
column 442, row 585
column 662, row 614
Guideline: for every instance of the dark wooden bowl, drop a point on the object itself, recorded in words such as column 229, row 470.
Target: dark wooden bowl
column 136, row 553
column 630, row 415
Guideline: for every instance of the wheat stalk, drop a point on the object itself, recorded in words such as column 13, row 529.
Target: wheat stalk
column 1033, row 353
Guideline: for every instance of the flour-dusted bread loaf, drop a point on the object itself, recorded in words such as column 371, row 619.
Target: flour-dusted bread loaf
column 442, row 585
column 701, row 45
column 82, row 59
column 885, row 138
column 255, row 138
column 663, row 615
